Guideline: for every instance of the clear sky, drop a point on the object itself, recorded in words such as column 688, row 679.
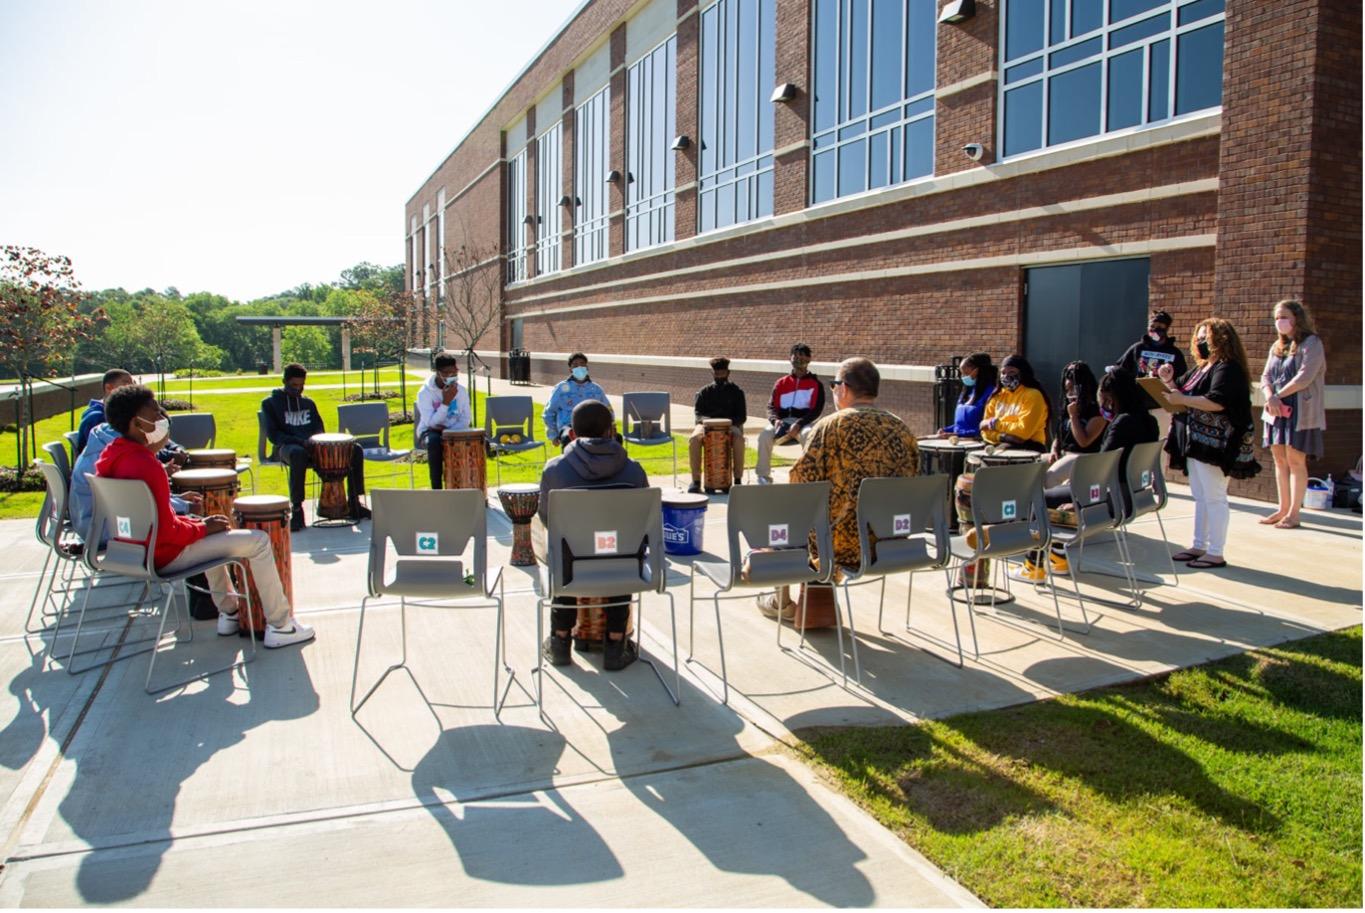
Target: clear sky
column 239, row 147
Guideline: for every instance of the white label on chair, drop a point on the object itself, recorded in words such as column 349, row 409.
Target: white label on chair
column 900, row 525
column 428, row 543
column 124, row 526
column 604, row 542
column 777, row 534
column 1009, row 510
column 1094, row 494
column 1146, row 477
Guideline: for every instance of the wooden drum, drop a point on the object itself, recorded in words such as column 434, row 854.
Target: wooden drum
column 1001, row 456
column 212, row 458
column 331, row 455
column 718, row 457
column 973, row 574
column 218, row 486
column 520, row 503
column 946, row 456
column 463, row 453
column 269, row 513
column 591, row 628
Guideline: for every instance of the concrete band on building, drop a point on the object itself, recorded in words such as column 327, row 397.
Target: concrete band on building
column 671, row 180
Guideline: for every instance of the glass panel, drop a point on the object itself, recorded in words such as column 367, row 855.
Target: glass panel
column 725, row 206
column 922, row 24
column 765, row 194
column 857, row 129
column 706, row 206
column 767, row 26
column 1056, row 27
column 887, row 28
column 1159, row 89
column 1075, row 109
column 822, row 177
column 886, row 117
column 825, row 63
column 826, row 139
column 1075, row 52
column 710, row 84
column 916, row 108
column 1024, row 70
column 1023, row 27
column 1086, row 16
column 919, row 148
column 746, row 80
column 1138, row 31
column 1125, row 90
column 1199, row 69
column 853, row 168
column 1120, row 10
column 856, row 40
column 897, row 165
column 879, row 164
column 1199, row 10
column 1023, row 118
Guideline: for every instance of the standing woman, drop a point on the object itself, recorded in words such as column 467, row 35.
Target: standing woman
column 1294, row 418
column 1017, row 414
column 1211, row 441
column 978, row 384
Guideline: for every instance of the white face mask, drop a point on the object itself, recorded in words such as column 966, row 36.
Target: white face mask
column 161, row 429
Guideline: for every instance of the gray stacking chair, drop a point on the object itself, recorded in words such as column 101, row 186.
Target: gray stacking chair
column 197, row 430
column 762, row 517
column 429, row 532
column 1009, row 517
column 507, row 414
column 1147, row 486
column 58, row 455
column 646, row 421
column 902, row 528
column 53, row 529
column 263, row 458
column 125, row 512
column 1098, row 501
column 71, row 437
column 579, row 562
column 369, row 422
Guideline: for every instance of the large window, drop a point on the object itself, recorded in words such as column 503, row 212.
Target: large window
column 736, row 167
column 549, row 181
column 591, row 155
column 1079, row 68
column 873, row 116
column 516, row 218
column 650, row 105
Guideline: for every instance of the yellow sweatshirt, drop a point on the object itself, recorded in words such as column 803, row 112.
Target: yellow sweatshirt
column 1020, row 412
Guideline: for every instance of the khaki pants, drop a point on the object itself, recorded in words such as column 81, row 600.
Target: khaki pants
column 736, row 451
column 764, row 468
column 252, row 545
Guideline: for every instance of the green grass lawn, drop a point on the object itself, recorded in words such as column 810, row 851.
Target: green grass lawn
column 1235, row 784
column 235, row 416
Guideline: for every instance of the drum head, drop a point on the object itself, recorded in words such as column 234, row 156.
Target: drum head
column 261, row 504
column 519, row 488
column 204, row 476
column 714, row 424
column 331, row 437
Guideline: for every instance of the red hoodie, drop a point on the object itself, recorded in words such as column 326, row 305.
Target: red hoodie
column 127, row 459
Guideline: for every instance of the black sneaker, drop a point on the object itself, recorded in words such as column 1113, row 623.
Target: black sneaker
column 619, row 654
column 556, row 650
column 296, row 523
column 360, row 512
column 738, row 482
column 694, row 488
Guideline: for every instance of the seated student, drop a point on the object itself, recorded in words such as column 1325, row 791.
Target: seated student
column 442, row 405
column 579, row 387
column 718, row 399
column 1017, row 414
column 93, row 416
column 797, row 400
column 978, row 386
column 1123, row 404
column 592, row 459
column 1080, row 430
column 183, row 542
column 82, row 505
column 290, row 420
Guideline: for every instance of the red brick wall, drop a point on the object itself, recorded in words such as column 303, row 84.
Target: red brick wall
column 964, row 51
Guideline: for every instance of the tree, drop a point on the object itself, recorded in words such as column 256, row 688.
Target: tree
column 472, row 304
column 41, row 325
column 384, row 324
column 166, row 334
column 306, row 345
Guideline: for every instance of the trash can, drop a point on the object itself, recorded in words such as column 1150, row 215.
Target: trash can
column 262, row 368
column 684, row 520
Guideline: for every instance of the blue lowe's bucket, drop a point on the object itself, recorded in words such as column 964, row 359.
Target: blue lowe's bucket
column 684, row 517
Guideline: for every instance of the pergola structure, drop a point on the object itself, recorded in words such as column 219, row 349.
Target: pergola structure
column 278, row 323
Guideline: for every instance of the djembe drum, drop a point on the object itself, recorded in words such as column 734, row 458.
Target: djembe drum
column 269, row 513
column 946, row 456
column 717, row 454
column 520, row 503
column 1006, row 456
column 591, row 628
column 463, row 459
column 331, row 455
column 218, row 486
column 212, row 458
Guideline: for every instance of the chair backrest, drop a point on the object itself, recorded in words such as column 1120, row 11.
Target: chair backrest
column 56, row 452
column 368, row 422
column 71, row 438
column 1095, row 492
column 893, row 516
column 193, row 430
column 52, row 515
column 126, row 515
column 262, row 441
column 429, row 531
column 781, row 518
column 1009, row 500
column 1145, row 482
column 646, row 407
column 605, row 542
column 506, row 413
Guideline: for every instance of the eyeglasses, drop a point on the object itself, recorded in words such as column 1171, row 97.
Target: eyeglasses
column 836, row 383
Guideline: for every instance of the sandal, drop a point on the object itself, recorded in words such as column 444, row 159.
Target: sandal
column 1286, row 524
column 1188, row 554
column 1200, row 563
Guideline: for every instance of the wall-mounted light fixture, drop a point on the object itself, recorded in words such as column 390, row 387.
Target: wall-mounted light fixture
column 958, row 11
column 784, row 92
column 680, row 143
column 613, row 176
column 565, row 200
column 528, row 219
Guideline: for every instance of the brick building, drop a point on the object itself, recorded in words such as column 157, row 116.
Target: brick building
column 673, row 179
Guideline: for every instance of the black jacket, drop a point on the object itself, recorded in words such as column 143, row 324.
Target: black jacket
column 290, row 419
column 721, row 400
column 1144, row 357
column 593, row 462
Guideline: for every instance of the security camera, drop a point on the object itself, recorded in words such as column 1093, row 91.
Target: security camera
column 974, row 151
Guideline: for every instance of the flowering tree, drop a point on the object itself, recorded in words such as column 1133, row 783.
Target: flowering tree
column 41, row 325
column 383, row 324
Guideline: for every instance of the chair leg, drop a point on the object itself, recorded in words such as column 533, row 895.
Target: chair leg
column 720, row 639
column 540, row 657
column 675, row 693
column 33, row 603
column 691, row 612
column 1165, row 541
column 971, row 615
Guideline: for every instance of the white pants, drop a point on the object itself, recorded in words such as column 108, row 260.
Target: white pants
column 254, row 546
column 764, row 467
column 1209, row 485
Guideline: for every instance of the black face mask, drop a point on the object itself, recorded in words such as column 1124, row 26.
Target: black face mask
column 1202, row 348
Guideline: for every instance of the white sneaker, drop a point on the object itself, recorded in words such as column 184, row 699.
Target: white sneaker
column 764, row 481
column 296, row 633
column 227, row 624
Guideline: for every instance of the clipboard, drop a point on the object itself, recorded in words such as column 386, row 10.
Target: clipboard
column 1157, row 391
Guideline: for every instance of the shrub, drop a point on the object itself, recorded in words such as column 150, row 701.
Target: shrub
column 12, row 480
column 185, row 373
column 176, row 405
column 364, row 397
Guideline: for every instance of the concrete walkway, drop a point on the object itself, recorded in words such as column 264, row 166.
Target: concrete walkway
column 260, row 789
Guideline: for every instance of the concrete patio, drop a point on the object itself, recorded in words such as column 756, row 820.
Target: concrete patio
column 258, row 788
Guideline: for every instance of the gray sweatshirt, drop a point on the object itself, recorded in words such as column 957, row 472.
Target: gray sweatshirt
column 595, row 462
